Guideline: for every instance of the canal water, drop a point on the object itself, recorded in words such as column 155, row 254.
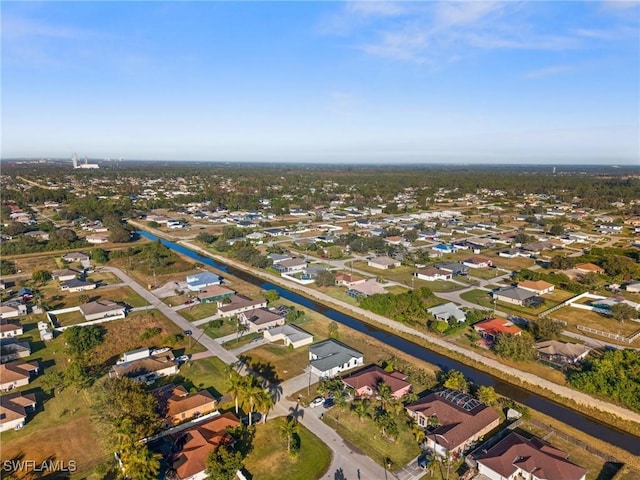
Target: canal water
column 541, row 404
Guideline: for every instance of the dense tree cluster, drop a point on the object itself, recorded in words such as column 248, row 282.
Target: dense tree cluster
column 408, row 306
column 615, row 375
column 515, row 347
column 82, row 339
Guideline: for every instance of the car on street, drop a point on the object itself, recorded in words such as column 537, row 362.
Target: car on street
column 316, row 402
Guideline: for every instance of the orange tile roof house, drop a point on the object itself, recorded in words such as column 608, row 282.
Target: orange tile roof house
column 453, row 420
column 16, row 374
column 518, row 457
column 366, row 382
column 493, row 327
column 589, row 267
column 177, row 405
column 194, row 445
column 14, row 409
column 348, row 279
column 539, row 287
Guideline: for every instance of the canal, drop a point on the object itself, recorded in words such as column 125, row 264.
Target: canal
column 541, row 404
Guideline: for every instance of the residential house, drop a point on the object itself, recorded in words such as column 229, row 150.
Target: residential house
column 539, row 287
column 561, row 353
column 492, row 327
column 237, row 304
column 14, row 409
column 278, row 257
column 260, row 319
column 516, row 296
column 9, row 328
column 75, row 285
column 443, row 249
column 447, row 312
column 292, row 335
column 633, row 287
column 367, row 381
column 366, row 289
column 432, row 274
column 75, row 257
column 588, row 268
column 17, row 374
column 102, row 309
column 147, row 370
column 349, row 279
column 202, row 280
column 383, row 262
column 37, row 234
column 291, row 265
column 454, row 421
column 97, row 238
column 330, row 357
column 176, row 405
column 477, row 262
column 518, row 457
column 193, row 446
column 454, row 267
column 12, row 349
column 215, row 293
column 65, row 274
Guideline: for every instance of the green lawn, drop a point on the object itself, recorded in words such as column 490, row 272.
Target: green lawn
column 243, row 340
column 286, row 363
column 269, row 459
column 366, row 436
column 199, row 311
column 206, row 373
column 485, row 273
column 228, row 327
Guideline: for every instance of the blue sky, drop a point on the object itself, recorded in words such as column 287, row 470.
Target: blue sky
column 468, row 82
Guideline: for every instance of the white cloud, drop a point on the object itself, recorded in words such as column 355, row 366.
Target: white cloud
column 548, row 71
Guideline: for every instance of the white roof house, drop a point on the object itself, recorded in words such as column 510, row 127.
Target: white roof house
column 330, row 357
column 447, row 311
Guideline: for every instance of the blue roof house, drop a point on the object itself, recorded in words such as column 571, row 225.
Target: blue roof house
column 202, row 280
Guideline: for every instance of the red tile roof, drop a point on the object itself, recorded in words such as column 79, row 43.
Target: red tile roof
column 199, row 441
column 496, row 326
column 374, row 375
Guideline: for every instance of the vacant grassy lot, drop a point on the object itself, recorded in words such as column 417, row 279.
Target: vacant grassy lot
column 339, row 293
column 378, row 272
column 366, row 437
column 129, row 334
column 228, row 327
column 198, row 311
column 485, row 273
column 27, row 264
column 285, row 362
column 103, row 278
column 577, row 316
column 517, row 263
column 56, row 299
column 269, row 459
column 206, row 373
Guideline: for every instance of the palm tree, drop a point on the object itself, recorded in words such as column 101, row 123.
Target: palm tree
column 385, row 395
column 251, row 391
column 235, row 382
column 361, row 407
column 264, row 403
column 418, row 432
column 287, row 430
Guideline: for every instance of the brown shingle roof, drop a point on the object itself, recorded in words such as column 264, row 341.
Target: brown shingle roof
column 457, row 423
column 17, row 370
column 533, row 456
column 374, row 375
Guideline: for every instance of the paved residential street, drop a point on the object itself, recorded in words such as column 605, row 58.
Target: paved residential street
column 155, row 303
